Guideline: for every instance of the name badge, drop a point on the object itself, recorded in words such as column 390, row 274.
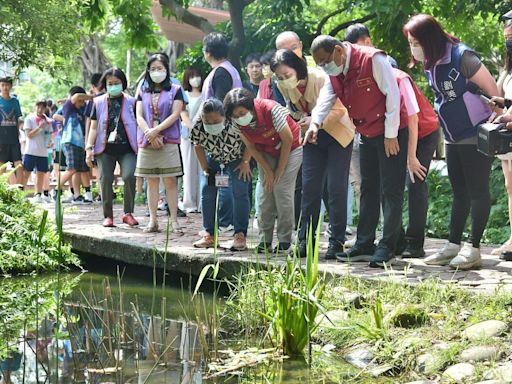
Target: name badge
column 365, row 82
column 221, row 181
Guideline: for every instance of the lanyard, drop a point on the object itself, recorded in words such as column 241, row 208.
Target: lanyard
column 120, row 112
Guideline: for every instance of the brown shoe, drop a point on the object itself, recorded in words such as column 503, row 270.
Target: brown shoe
column 206, row 241
column 239, row 243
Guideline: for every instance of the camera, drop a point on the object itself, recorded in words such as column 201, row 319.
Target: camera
column 494, row 139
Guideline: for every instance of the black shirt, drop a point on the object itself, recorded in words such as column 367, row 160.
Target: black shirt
column 254, row 88
column 222, row 83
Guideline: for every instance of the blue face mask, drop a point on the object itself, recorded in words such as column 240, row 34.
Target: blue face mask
column 114, row 90
column 332, row 69
column 213, row 129
column 244, row 120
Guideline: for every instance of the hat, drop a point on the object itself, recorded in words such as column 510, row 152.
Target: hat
column 507, row 16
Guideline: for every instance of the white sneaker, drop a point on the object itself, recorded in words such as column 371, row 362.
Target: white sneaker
column 68, row 199
column 46, row 199
column 88, row 197
column 443, row 256
column 350, row 243
column 255, row 223
column 227, row 229
column 37, row 199
column 468, row 258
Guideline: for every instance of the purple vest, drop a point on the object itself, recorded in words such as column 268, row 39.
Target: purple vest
column 171, row 135
column 127, row 117
column 207, row 90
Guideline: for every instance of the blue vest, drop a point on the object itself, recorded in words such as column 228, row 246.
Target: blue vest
column 459, row 111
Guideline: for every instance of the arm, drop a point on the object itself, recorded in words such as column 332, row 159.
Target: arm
column 186, row 119
column 268, row 181
column 77, row 97
column 58, row 117
column 244, row 168
column 201, row 157
column 222, row 83
column 286, row 146
column 177, row 108
column 91, row 139
column 140, row 117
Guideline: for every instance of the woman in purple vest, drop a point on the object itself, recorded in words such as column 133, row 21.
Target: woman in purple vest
column 449, row 65
column 113, row 139
column 158, row 110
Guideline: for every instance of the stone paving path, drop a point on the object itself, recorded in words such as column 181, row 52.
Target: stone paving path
column 82, row 226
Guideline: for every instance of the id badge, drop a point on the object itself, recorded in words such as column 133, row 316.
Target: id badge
column 221, row 181
column 112, row 137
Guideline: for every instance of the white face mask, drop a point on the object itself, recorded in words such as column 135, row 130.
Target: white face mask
column 418, row 54
column 332, row 69
column 290, row 83
column 213, row 129
column 195, row 82
column 244, row 120
column 158, row 76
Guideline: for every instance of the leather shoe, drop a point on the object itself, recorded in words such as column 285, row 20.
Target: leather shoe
column 108, row 222
column 130, row 220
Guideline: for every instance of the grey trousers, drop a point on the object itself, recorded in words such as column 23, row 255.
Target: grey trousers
column 106, row 167
column 280, row 202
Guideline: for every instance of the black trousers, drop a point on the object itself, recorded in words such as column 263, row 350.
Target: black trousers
column 325, row 161
column 469, row 172
column 381, row 175
column 418, row 192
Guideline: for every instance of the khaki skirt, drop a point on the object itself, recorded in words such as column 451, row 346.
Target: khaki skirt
column 164, row 162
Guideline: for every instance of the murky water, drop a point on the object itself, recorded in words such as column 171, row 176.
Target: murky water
column 116, row 325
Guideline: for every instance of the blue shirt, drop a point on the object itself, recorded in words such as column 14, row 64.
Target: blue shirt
column 74, row 122
column 10, row 112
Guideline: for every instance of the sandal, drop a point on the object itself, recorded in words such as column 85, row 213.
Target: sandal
column 175, row 228
column 151, row 228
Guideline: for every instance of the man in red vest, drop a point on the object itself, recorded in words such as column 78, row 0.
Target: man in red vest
column 363, row 79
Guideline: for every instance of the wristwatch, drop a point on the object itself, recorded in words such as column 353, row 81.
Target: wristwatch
column 89, row 147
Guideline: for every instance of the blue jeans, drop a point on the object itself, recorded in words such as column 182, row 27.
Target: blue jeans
column 241, row 205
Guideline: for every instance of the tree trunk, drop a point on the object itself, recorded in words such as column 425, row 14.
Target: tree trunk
column 236, row 10
column 92, row 58
column 182, row 14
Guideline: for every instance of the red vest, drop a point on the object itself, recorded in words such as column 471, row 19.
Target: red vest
column 359, row 92
column 427, row 117
column 264, row 136
column 265, row 90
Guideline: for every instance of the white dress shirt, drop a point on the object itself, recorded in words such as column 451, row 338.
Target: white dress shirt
column 387, row 84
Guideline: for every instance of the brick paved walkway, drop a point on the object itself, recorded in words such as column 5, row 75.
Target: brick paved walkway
column 82, row 226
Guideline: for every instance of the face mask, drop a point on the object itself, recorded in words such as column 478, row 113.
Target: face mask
column 158, row 76
column 267, row 73
column 244, row 120
column 213, row 129
column 290, row 83
column 417, row 53
column 508, row 45
column 115, row 89
column 195, row 82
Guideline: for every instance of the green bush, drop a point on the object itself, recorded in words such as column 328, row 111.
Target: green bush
column 20, row 225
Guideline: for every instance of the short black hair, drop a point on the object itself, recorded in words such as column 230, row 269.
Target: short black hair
column 290, row 59
column 190, row 72
column 6, row 80
column 116, row 72
column 216, row 45
column 76, row 89
column 96, row 79
column 325, row 42
column 253, row 57
column 212, row 105
column 41, row 103
column 166, row 84
column 355, row 32
column 266, row 58
column 238, row 97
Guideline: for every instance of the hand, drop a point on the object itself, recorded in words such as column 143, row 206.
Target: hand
column 278, row 173
column 305, row 122
column 496, row 102
column 391, row 146
column 415, row 168
column 89, row 157
column 268, row 182
column 157, row 143
column 151, row 134
column 311, row 135
column 244, row 170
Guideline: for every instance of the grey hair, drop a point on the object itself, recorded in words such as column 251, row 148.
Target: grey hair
column 212, row 105
column 325, row 42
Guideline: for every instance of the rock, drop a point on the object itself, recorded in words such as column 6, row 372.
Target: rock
column 480, row 353
column 485, row 329
column 407, row 316
column 428, row 363
column 360, row 357
column 352, row 299
column 331, row 318
column 503, row 373
column 459, row 372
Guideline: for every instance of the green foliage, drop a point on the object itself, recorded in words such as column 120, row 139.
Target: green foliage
column 20, row 248
column 40, row 34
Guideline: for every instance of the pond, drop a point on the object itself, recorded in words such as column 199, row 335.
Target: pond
column 119, row 324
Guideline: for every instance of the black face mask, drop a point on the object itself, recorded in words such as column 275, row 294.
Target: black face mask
column 508, row 45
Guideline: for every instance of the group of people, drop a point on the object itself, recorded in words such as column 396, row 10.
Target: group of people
column 309, row 128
